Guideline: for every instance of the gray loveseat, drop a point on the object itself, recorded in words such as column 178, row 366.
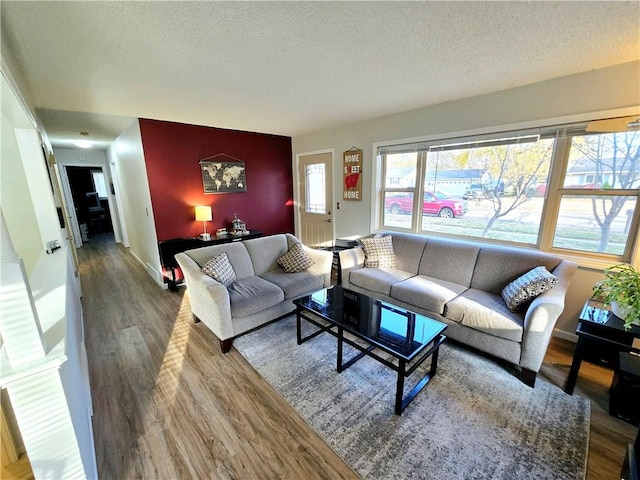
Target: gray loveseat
column 262, row 291
column 460, row 283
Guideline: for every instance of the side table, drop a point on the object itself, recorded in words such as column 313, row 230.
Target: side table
column 598, row 328
column 339, row 245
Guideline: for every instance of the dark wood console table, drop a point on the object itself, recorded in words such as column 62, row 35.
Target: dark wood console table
column 168, row 248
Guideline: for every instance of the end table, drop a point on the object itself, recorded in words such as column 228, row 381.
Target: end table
column 599, row 329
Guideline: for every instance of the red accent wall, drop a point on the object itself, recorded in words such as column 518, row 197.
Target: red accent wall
column 172, row 152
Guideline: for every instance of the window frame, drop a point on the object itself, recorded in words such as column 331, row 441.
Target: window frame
column 553, row 201
column 573, row 126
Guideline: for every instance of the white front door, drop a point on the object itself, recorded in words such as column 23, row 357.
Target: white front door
column 316, row 197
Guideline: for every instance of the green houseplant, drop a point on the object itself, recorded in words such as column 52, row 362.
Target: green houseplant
column 621, row 289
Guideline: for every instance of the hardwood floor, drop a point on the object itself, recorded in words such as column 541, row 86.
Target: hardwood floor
column 168, row 404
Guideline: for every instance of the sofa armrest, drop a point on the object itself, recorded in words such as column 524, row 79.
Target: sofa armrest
column 322, row 263
column 208, row 298
column 542, row 315
column 350, row 259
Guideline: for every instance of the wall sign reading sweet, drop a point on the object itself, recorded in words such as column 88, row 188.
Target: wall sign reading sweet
column 352, row 172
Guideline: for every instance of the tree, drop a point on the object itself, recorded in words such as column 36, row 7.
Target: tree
column 520, row 165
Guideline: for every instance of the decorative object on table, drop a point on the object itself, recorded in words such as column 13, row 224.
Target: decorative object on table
column 221, row 232
column 203, row 214
column 223, row 174
column 352, row 172
column 238, row 227
column 621, row 289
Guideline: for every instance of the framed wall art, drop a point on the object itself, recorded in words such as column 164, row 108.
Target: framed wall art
column 223, row 174
column 352, row 172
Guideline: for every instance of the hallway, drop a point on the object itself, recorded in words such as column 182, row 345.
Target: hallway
column 167, row 403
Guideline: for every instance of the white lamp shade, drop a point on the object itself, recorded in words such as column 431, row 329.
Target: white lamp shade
column 203, row 214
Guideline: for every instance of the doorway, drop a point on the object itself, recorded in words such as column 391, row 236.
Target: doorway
column 89, row 196
column 316, row 198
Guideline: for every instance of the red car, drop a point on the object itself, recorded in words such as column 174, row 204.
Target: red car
column 433, row 204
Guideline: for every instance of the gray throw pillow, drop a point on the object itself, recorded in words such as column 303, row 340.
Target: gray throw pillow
column 295, row 260
column 378, row 252
column 522, row 290
column 220, row 270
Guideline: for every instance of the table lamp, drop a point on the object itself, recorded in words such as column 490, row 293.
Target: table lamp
column 203, row 214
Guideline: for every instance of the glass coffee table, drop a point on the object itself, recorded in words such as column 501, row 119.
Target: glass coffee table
column 406, row 337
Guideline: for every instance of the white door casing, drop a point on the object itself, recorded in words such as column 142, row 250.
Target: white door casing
column 315, row 179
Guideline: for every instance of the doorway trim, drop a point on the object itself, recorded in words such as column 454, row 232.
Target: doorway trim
column 64, row 178
column 297, row 200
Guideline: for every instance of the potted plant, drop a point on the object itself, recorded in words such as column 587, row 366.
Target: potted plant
column 621, row 289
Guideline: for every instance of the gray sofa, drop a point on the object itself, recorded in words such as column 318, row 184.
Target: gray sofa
column 460, row 283
column 262, row 292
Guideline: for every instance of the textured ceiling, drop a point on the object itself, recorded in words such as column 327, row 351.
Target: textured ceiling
column 294, row 67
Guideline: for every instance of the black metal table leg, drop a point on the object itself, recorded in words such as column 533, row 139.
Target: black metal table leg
column 575, row 365
column 298, row 326
column 339, row 355
column 402, row 365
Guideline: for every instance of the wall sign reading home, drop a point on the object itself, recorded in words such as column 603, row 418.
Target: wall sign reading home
column 352, row 172
column 222, row 176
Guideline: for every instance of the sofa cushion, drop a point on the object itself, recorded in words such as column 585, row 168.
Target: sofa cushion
column 220, row 270
column 486, row 312
column 449, row 260
column 295, row 260
column 408, row 250
column 265, row 252
column 499, row 265
column 236, row 253
column 253, row 294
column 294, row 284
column 522, row 290
column 378, row 252
column 377, row 280
column 425, row 292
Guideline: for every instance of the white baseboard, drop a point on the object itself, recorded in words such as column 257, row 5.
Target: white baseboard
column 138, row 259
column 572, row 337
column 153, row 273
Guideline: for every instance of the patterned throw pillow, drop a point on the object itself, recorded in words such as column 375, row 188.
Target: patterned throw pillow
column 220, row 270
column 295, row 260
column 378, row 252
column 527, row 287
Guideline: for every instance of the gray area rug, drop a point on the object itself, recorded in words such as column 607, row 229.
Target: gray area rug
column 475, row 419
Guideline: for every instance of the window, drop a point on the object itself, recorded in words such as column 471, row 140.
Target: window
column 496, row 187
column 400, row 185
column 599, row 196
column 99, row 184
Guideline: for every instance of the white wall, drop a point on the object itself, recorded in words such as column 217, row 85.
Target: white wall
column 60, row 443
column 127, row 155
column 578, row 96
column 20, row 218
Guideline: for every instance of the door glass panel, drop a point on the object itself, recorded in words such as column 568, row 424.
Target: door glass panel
column 316, row 201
